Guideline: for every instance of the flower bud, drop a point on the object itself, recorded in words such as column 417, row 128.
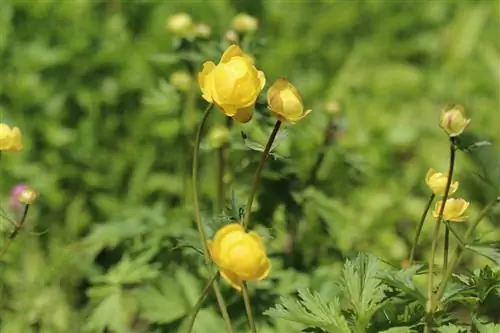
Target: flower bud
column 27, row 196
column 453, row 120
column 437, row 182
column 332, row 107
column 181, row 80
column 244, row 23
column 180, row 24
column 202, row 30
column 285, row 102
column 218, row 136
column 240, row 255
column 10, row 138
column 231, row 37
column 453, row 210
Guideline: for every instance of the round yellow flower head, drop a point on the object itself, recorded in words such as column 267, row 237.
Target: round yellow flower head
column 453, row 210
column 437, row 182
column 244, row 23
column 453, row 120
column 10, row 138
column 233, row 85
column 285, row 102
column 180, row 24
column 27, row 196
column 239, row 255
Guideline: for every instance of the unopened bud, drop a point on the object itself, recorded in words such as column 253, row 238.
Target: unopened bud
column 202, row 30
column 231, row 37
column 180, row 24
column 453, row 120
column 27, row 196
column 244, row 23
column 181, row 80
column 332, row 107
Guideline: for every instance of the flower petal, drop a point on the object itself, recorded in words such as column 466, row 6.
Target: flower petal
column 232, row 51
column 264, row 269
column 219, row 236
column 232, row 279
column 204, row 82
column 244, row 115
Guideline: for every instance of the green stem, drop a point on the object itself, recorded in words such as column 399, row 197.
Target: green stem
column 446, row 248
column 248, row 308
column 258, row 172
column 13, row 235
column 459, row 239
column 457, row 255
column 419, row 229
column 221, row 170
column 199, row 303
column 199, row 224
column 430, row 296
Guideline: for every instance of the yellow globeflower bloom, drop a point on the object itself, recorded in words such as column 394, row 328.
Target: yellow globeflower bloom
column 10, row 138
column 181, row 24
column 285, row 102
column 453, row 210
column 437, row 182
column 239, row 255
column 27, row 196
column 233, row 85
column 453, row 121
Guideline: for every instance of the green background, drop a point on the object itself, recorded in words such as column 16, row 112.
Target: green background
column 108, row 142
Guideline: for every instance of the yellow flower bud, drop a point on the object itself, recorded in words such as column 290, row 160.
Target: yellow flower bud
column 218, row 136
column 181, row 80
column 202, row 30
column 27, row 196
column 10, row 138
column 437, row 182
column 231, row 36
column 245, row 23
column 180, row 24
column 453, row 120
column 453, row 210
column 240, row 255
column 332, row 107
column 233, row 85
column 285, row 102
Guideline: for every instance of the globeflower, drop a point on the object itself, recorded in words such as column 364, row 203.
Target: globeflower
column 245, row 23
column 285, row 102
column 437, row 182
column 180, row 24
column 10, row 138
column 240, row 255
column 233, row 85
column 453, row 210
column 453, row 121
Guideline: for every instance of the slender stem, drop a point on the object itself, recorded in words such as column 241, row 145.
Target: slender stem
column 17, row 227
column 221, row 170
column 430, row 296
column 258, row 172
column 446, row 248
column 457, row 255
column 459, row 239
column 248, row 308
column 419, row 229
column 199, row 303
column 199, row 224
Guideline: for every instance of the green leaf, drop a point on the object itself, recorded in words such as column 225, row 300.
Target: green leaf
column 403, row 329
column 450, row 328
column 486, row 327
column 362, row 287
column 112, row 313
column 490, row 250
column 311, row 311
column 403, row 281
column 484, row 156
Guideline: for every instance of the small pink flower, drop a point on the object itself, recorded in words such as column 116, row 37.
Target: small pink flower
column 14, row 194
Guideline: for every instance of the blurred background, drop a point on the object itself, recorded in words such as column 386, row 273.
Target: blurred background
column 106, row 97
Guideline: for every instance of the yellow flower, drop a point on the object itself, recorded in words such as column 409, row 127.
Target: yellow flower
column 239, row 255
column 285, row 102
column 10, row 138
column 233, row 85
column 245, row 23
column 453, row 120
column 202, row 30
column 27, row 196
column 453, row 210
column 181, row 80
column 437, row 182
column 180, row 24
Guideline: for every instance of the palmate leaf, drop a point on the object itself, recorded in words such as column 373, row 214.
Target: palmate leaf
column 282, row 135
column 363, row 289
column 311, row 311
column 490, row 250
column 402, row 282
